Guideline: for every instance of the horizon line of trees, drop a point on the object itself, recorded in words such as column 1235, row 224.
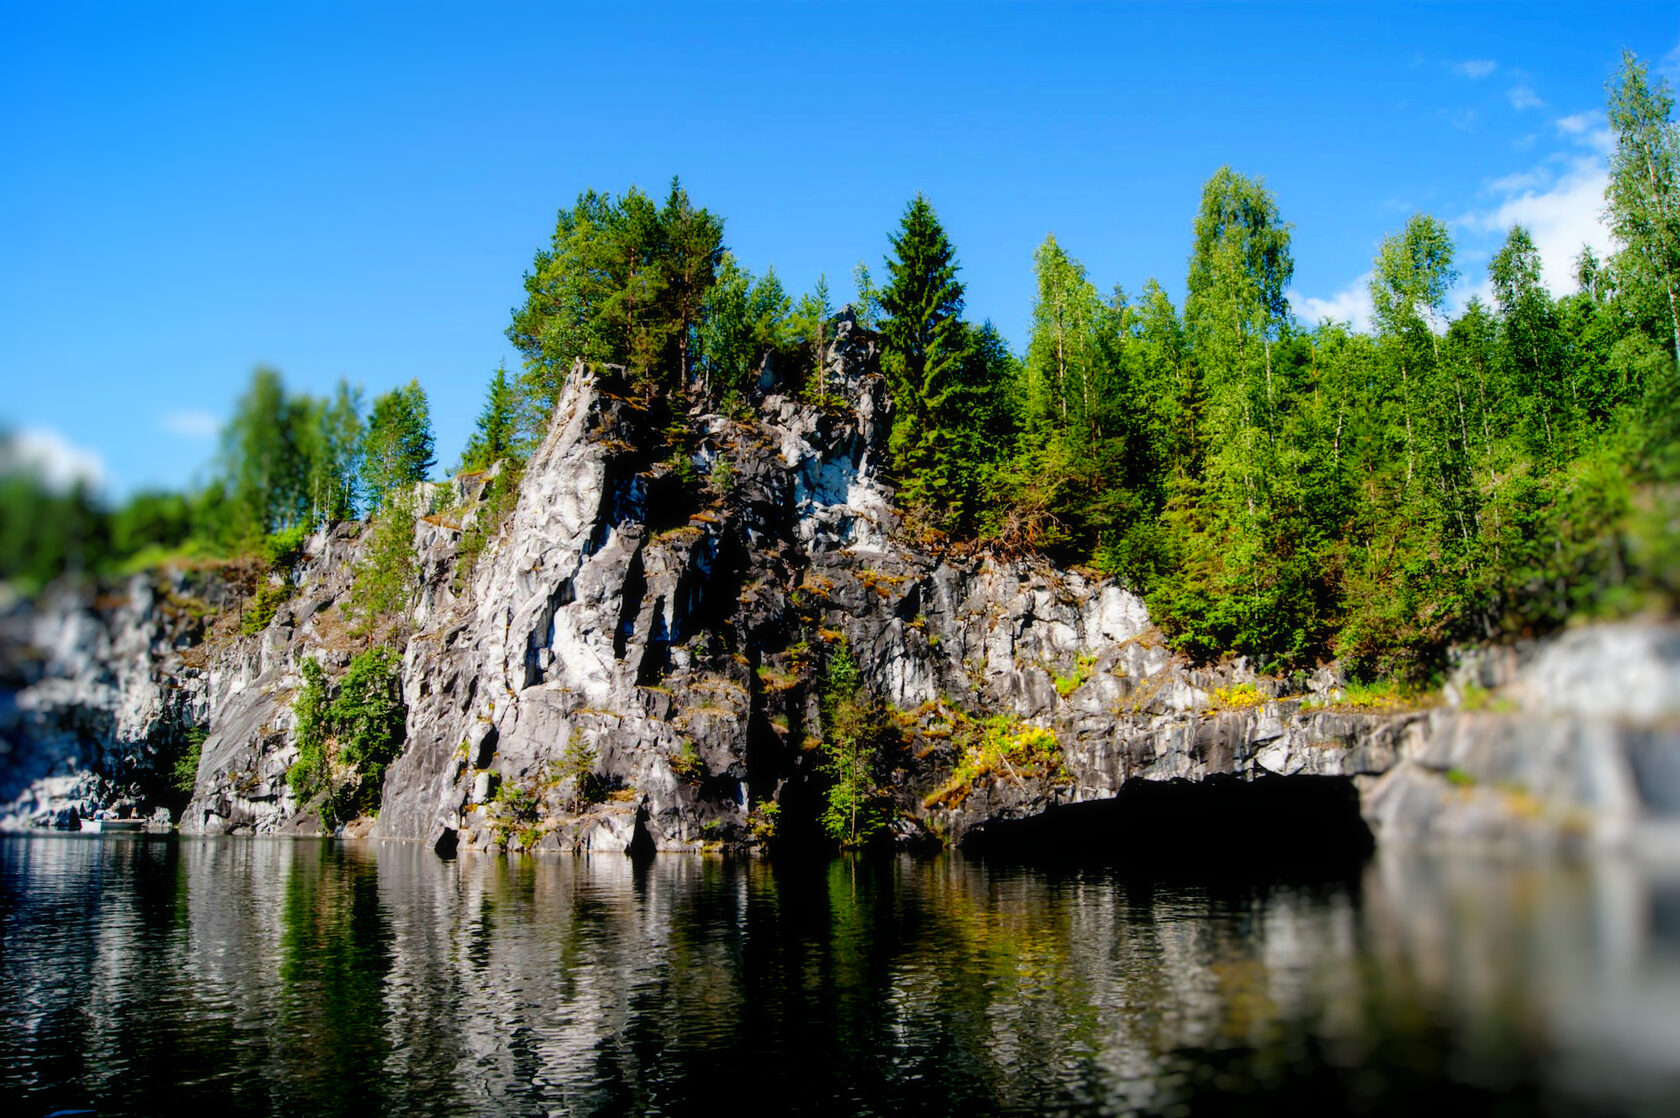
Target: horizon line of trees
column 1286, row 491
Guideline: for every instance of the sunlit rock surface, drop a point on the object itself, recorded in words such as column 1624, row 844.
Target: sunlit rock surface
column 660, row 608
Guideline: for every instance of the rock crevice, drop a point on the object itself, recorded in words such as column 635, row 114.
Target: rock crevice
column 636, row 660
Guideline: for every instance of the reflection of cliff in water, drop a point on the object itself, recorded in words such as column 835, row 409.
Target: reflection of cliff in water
column 148, row 975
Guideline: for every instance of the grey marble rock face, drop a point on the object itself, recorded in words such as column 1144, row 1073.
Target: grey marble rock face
column 648, row 626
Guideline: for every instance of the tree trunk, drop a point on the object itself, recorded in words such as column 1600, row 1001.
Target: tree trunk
column 1406, row 410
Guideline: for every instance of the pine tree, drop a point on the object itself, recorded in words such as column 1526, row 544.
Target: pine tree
column 623, row 282
column 809, row 325
column 868, row 305
column 496, row 435
column 693, row 243
column 560, row 321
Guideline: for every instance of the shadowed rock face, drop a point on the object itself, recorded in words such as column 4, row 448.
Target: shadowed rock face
column 661, row 622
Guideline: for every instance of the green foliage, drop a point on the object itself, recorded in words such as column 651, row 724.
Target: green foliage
column 397, row 449
column 944, row 375
column 763, row 820
column 809, row 324
column 515, row 812
column 384, row 580
column 686, row 765
column 624, row 282
column 1074, row 680
column 720, row 479
column 286, row 460
column 855, row 729
column 1001, row 747
column 45, row 533
column 151, row 519
column 496, row 435
column 746, row 321
column 1382, row 695
column 867, row 308
column 311, row 708
column 345, row 743
column 1644, row 196
column 281, row 552
column 183, row 773
column 500, row 496
column 576, row 770
column 262, row 606
column 368, row 714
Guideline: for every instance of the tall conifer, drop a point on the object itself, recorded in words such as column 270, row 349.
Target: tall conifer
column 924, row 351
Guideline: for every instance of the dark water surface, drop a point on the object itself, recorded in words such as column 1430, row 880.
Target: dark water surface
column 147, row 975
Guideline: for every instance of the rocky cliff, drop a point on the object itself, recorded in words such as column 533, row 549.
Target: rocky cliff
column 637, row 657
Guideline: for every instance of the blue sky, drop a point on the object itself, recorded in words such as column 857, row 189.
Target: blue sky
column 355, row 190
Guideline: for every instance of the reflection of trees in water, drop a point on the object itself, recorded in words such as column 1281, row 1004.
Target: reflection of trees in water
column 335, row 950
column 266, row 976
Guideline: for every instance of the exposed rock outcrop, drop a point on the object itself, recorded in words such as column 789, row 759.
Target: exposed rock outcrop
column 635, row 659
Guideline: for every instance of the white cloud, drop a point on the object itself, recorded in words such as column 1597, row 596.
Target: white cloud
column 1523, row 97
column 1520, row 181
column 1560, row 218
column 192, row 424
column 1474, row 68
column 1588, row 130
column 1351, row 305
column 1464, row 119
column 60, row 462
column 1669, row 66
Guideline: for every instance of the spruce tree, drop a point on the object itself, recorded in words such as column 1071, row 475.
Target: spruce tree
column 496, row 434
column 924, row 352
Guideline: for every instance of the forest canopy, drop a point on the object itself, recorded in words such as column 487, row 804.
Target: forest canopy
column 1286, row 490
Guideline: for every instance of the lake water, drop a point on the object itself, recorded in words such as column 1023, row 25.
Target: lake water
column 151, row 975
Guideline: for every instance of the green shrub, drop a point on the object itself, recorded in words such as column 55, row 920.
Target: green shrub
column 686, row 765
column 184, row 772
column 1068, row 684
column 577, row 765
column 720, row 482
column 1238, row 696
column 855, row 728
column 762, row 820
column 345, row 745
column 1005, row 746
column 281, row 552
column 384, row 580
column 501, row 494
